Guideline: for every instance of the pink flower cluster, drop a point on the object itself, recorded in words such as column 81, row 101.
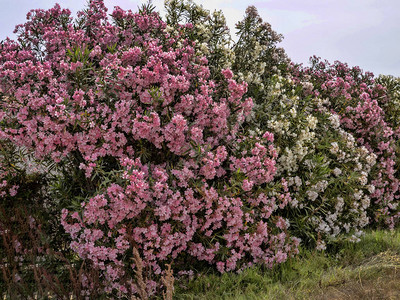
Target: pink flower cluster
column 7, row 188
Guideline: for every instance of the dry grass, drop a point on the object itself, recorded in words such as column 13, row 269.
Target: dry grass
column 376, row 278
column 167, row 280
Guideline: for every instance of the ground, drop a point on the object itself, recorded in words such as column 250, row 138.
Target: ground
column 366, row 270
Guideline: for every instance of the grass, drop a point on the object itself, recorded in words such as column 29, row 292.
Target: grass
column 369, row 269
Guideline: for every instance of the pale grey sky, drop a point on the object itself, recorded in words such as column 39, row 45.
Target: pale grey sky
column 360, row 32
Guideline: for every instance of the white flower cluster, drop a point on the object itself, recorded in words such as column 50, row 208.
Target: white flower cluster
column 335, row 148
column 316, row 189
column 335, row 120
column 290, row 158
column 280, row 126
column 337, row 172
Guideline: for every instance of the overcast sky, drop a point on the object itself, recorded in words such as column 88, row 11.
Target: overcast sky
column 360, row 32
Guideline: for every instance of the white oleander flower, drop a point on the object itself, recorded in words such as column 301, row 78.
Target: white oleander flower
column 336, row 230
column 204, row 48
column 312, row 195
column 363, row 178
column 169, row 29
column 309, row 164
column 293, row 112
column 371, row 188
column 354, row 239
column 298, row 181
column 334, row 148
column 312, row 121
column 294, row 202
column 320, row 245
column 331, row 217
column 287, row 161
column 323, row 227
column 346, row 226
column 307, row 86
column 364, row 151
column 337, row 172
column 320, row 186
column 371, row 159
column 363, row 220
column 358, row 195
column 335, row 120
column 339, row 205
column 358, row 167
column 365, row 202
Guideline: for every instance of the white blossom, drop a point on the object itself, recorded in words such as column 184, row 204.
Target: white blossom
column 337, row 172
column 335, row 120
column 334, row 148
column 312, row 195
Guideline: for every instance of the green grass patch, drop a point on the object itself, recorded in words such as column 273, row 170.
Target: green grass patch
column 369, row 269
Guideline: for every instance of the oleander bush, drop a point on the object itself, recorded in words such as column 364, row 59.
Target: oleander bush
column 134, row 148
column 148, row 147
column 326, row 170
column 390, row 104
column 356, row 98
